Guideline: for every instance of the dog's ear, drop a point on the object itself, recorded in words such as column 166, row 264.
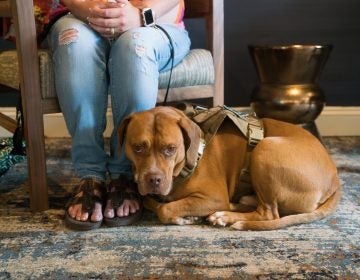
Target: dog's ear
column 122, row 130
column 192, row 134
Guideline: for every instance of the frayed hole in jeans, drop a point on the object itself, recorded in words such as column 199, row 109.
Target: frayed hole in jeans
column 68, row 36
column 140, row 50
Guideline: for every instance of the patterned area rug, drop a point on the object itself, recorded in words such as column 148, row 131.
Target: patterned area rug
column 39, row 246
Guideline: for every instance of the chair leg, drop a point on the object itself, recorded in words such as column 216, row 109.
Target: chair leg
column 36, row 160
column 27, row 54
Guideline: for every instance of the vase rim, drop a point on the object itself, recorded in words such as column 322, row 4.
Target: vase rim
column 291, row 46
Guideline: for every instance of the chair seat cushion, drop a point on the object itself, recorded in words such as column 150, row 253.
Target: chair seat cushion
column 196, row 69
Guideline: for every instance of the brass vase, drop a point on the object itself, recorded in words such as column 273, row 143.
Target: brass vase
column 288, row 88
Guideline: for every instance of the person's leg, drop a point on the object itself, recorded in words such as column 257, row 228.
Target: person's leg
column 136, row 58
column 80, row 58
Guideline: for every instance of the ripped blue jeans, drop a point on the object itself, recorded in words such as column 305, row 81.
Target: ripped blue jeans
column 89, row 67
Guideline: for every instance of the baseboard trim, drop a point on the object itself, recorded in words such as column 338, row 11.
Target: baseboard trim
column 339, row 121
column 333, row 121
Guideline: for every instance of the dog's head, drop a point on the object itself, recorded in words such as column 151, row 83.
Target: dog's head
column 159, row 142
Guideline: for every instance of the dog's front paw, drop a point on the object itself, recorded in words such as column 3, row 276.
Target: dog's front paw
column 219, row 219
column 187, row 220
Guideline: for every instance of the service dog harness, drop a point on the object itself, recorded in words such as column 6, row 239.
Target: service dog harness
column 209, row 120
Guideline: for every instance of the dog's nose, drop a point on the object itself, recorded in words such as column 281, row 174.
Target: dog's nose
column 155, row 180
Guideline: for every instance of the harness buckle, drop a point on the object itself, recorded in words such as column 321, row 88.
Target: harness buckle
column 255, row 131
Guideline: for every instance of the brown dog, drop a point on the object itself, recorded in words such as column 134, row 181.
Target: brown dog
column 293, row 178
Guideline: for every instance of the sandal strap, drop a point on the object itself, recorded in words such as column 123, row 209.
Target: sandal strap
column 88, row 198
column 122, row 189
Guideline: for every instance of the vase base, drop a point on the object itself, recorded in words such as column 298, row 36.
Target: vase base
column 288, row 111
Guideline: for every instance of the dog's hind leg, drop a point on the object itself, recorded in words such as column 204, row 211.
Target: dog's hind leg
column 253, row 221
column 238, row 207
column 262, row 213
column 246, row 203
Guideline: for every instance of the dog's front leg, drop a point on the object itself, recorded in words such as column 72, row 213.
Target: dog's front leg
column 151, row 204
column 161, row 208
column 186, row 211
column 158, row 208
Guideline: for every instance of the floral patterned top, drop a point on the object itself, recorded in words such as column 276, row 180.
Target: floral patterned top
column 46, row 12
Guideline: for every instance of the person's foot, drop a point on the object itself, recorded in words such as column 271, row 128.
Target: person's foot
column 84, row 210
column 123, row 205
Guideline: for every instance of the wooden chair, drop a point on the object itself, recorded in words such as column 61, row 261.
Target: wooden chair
column 34, row 73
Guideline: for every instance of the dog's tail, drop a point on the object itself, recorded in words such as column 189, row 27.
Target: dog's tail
column 325, row 209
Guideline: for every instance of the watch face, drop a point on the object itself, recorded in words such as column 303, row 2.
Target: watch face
column 148, row 17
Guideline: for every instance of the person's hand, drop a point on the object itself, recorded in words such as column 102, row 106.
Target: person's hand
column 112, row 19
column 81, row 8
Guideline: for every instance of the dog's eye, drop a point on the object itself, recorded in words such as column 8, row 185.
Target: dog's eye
column 169, row 150
column 138, row 148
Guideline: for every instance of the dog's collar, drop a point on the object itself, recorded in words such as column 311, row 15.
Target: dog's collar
column 188, row 170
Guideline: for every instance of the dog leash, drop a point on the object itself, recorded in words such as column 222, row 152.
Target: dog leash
column 172, row 55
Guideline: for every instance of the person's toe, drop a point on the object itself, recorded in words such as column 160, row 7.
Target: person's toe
column 109, row 210
column 97, row 213
column 128, row 206
column 82, row 216
column 122, row 211
column 134, row 206
column 75, row 212
column 72, row 212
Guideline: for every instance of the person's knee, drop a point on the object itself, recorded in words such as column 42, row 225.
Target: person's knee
column 136, row 42
column 70, row 30
column 68, row 36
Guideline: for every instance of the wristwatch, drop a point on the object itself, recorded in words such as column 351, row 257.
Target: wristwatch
column 148, row 17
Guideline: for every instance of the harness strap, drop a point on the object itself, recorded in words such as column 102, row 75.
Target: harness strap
column 255, row 131
column 210, row 120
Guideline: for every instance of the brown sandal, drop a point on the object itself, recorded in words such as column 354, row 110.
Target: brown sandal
column 87, row 201
column 119, row 190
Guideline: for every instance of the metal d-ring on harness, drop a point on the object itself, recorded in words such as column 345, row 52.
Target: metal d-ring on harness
column 210, row 120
